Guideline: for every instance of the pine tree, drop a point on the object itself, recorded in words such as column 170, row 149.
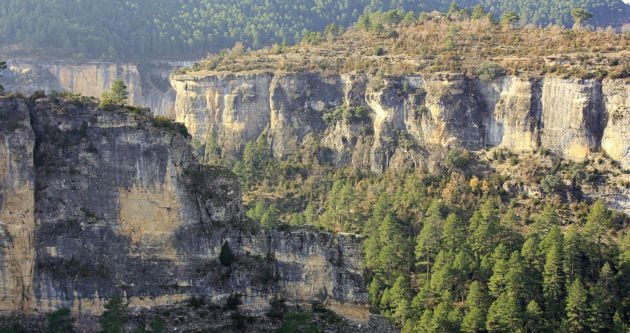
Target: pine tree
column 374, row 291
column 580, row 15
column 398, row 302
column 553, row 284
column 249, row 163
column 212, row 148
column 60, row 321
column 534, row 320
column 498, row 282
column 463, row 267
column 443, row 275
column 117, row 95
column 429, row 240
column 453, row 10
column 505, row 314
column 577, row 309
column 510, row 235
column 258, row 211
column 396, row 251
column 483, row 229
column 545, row 220
column 553, row 238
column 509, row 19
column 269, row 220
column 478, row 12
column 598, row 222
column 515, row 281
column 532, row 263
column 603, row 301
column 475, row 317
column 226, row 256
column 114, row 317
column 624, row 275
column 572, row 251
column 454, row 234
column 424, row 325
column 158, row 325
column 440, row 321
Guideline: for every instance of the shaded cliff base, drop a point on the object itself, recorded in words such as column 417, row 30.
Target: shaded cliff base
column 198, row 315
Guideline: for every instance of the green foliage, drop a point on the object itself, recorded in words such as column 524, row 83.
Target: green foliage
column 158, row 325
column 488, row 71
column 312, row 38
column 11, row 329
column 580, row 15
column 475, row 318
column 226, row 257
column 60, row 321
column 510, row 18
column 169, row 125
column 114, row 317
column 459, row 158
column 553, row 283
column 577, row 309
column 117, row 95
column 295, row 322
column 480, row 261
column 551, row 184
column 270, row 219
column 478, row 12
column 345, row 113
column 167, row 29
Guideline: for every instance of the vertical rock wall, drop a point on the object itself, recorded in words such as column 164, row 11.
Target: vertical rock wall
column 95, row 203
column 409, row 116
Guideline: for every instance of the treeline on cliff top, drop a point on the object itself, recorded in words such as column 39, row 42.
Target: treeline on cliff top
column 473, row 42
column 188, row 29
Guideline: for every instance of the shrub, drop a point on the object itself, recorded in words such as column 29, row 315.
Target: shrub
column 298, row 322
column 488, row 71
column 60, row 321
column 232, row 302
column 226, row 257
column 551, row 184
column 169, row 125
column 458, row 158
column 114, row 317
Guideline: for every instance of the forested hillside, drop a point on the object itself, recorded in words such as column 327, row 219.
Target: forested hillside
column 188, row 29
column 453, row 250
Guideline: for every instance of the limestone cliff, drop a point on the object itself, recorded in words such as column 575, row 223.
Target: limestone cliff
column 148, row 83
column 94, row 203
column 410, row 118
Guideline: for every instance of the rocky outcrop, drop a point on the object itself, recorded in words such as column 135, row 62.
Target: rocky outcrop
column 148, row 83
column 616, row 100
column 409, row 118
column 17, row 206
column 95, row 203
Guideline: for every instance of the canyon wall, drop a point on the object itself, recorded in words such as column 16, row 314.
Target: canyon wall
column 95, row 203
column 148, row 83
column 409, row 118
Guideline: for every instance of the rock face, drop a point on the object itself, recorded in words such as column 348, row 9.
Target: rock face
column 95, row 203
column 148, row 83
column 408, row 117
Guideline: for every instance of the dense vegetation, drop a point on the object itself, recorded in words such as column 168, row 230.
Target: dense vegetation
column 188, row 29
column 395, row 42
column 454, row 250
